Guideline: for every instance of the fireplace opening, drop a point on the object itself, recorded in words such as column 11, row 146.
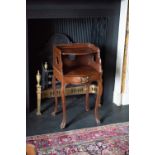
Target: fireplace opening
column 81, row 25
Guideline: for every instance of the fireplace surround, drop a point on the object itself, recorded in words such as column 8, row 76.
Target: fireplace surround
column 94, row 21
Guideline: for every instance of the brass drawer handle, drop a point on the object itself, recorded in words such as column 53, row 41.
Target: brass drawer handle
column 84, row 79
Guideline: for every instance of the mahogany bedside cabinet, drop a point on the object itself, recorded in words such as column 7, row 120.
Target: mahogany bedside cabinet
column 79, row 64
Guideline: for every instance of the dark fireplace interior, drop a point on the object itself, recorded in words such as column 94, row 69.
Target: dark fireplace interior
column 96, row 23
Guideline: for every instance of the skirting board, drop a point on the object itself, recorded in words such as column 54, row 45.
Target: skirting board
column 117, row 98
column 125, row 99
column 121, row 99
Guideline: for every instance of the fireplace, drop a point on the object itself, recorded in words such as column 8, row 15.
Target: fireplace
column 96, row 22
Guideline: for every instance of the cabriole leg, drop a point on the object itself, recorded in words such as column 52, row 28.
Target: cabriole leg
column 98, row 99
column 63, row 123
column 55, row 96
column 87, row 97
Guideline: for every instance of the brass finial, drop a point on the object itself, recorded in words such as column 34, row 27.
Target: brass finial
column 38, row 78
column 46, row 65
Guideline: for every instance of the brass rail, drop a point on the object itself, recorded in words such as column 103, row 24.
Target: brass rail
column 69, row 91
column 49, row 93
